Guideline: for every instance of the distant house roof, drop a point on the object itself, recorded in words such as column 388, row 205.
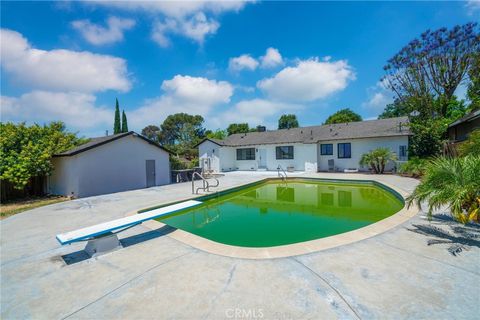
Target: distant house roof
column 351, row 130
column 467, row 118
column 99, row 141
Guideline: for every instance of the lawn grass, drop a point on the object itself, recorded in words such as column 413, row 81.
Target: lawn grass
column 10, row 208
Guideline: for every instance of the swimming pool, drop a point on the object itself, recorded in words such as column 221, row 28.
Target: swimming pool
column 274, row 212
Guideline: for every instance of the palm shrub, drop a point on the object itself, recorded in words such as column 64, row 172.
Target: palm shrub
column 452, row 182
column 414, row 167
column 377, row 159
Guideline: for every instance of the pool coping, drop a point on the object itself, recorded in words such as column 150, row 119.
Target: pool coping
column 294, row 249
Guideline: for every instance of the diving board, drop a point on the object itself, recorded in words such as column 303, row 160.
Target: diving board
column 122, row 223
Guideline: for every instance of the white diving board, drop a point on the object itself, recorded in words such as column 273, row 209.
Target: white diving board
column 106, row 227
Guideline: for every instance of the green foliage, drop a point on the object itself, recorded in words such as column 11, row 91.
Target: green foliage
column 176, row 163
column 238, row 128
column 179, row 163
column 452, row 182
column 343, row 116
column 377, row 159
column 116, row 124
column 26, row 151
column 124, row 122
column 288, row 121
column 393, row 110
column 414, row 167
column 427, row 138
column 217, row 134
column 473, row 91
column 181, row 131
column 152, row 132
column 472, row 145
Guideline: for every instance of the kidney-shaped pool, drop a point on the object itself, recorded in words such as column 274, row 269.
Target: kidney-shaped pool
column 276, row 212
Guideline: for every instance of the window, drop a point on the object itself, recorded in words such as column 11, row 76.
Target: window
column 344, row 150
column 284, row 152
column 402, row 154
column 326, row 149
column 246, row 154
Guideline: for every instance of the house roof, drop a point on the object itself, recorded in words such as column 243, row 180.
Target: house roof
column 469, row 117
column 99, row 141
column 351, row 130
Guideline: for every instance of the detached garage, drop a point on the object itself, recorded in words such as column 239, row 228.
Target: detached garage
column 114, row 163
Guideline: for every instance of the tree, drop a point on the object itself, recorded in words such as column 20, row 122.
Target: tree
column 393, row 110
column 432, row 67
column 181, row 132
column 152, row 132
column 238, row 128
column 26, row 151
column 377, row 159
column 116, row 124
column 473, row 91
column 342, row 116
column 288, row 121
column 217, row 134
column 124, row 122
column 452, row 182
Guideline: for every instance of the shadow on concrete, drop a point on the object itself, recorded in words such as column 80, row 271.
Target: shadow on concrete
column 445, row 230
column 82, row 255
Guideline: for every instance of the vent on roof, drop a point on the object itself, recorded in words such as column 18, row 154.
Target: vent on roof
column 400, row 127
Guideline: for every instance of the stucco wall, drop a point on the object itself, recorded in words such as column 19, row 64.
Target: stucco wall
column 305, row 157
column 210, row 150
column 358, row 148
column 64, row 178
column 116, row 166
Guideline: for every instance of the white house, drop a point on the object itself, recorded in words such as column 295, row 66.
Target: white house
column 110, row 164
column 318, row 148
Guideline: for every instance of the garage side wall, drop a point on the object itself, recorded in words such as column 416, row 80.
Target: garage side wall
column 119, row 165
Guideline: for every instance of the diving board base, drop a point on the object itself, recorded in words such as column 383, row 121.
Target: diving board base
column 103, row 244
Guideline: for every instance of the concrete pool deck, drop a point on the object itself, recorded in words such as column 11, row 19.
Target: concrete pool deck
column 391, row 275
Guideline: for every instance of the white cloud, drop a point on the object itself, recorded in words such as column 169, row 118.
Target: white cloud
column 254, row 112
column 245, row 61
column 271, row 59
column 193, row 95
column 378, row 97
column 309, row 80
column 192, row 19
column 195, row 28
column 98, row 35
column 177, row 9
column 77, row 110
column 472, row 6
column 61, row 70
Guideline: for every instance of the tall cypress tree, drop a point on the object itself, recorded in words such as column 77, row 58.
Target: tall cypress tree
column 116, row 124
column 124, row 122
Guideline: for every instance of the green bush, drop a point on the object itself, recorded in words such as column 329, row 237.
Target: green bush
column 414, row 167
column 472, row 145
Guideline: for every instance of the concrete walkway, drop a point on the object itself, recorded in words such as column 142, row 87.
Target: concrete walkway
column 392, row 275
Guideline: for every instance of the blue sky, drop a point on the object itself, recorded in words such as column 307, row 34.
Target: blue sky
column 228, row 61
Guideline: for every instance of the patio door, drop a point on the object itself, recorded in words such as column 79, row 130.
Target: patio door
column 262, row 158
column 150, row 170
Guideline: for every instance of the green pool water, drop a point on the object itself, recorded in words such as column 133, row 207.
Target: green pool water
column 277, row 213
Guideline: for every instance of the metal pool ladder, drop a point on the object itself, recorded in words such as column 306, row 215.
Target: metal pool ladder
column 206, row 184
column 282, row 174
